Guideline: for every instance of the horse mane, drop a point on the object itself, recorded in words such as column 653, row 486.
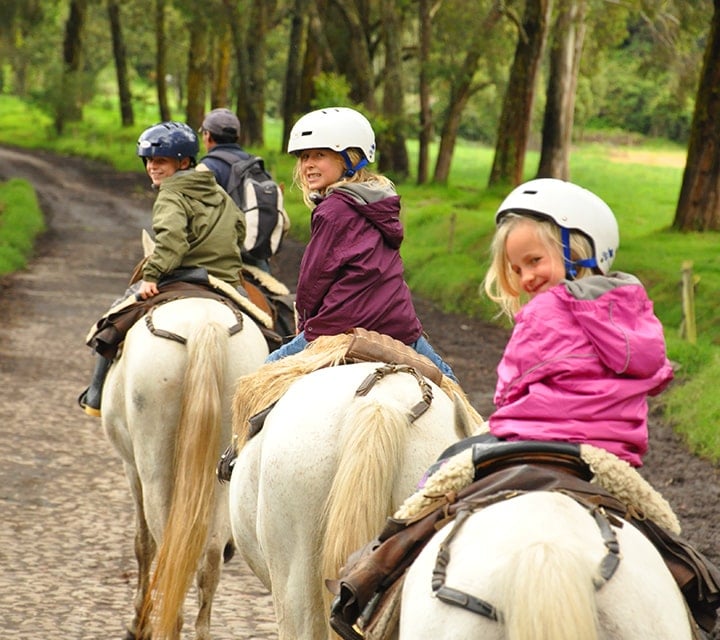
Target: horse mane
column 261, row 389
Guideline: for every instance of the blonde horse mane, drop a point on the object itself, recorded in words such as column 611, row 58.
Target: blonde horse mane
column 193, row 497
column 264, row 387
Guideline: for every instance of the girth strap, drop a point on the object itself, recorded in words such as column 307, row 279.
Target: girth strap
column 169, row 335
column 379, row 373
column 448, row 594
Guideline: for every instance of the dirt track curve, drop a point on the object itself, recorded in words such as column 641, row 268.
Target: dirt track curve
column 67, row 524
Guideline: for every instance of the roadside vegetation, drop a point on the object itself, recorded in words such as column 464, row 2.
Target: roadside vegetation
column 448, row 230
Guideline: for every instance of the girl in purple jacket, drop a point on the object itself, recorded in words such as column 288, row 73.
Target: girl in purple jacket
column 351, row 274
column 586, row 349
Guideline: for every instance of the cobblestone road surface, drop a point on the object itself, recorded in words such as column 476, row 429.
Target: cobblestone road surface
column 66, row 528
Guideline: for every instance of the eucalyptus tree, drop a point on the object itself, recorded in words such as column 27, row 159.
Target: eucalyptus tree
column 568, row 35
column 68, row 107
column 121, row 69
column 515, row 119
column 698, row 207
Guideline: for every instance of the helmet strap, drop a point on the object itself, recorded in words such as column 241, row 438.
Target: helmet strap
column 570, row 265
column 351, row 171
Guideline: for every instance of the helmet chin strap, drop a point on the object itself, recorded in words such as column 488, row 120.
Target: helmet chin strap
column 351, row 171
column 570, row 265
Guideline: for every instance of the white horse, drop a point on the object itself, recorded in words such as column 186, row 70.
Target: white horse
column 166, row 408
column 534, row 560
column 323, row 474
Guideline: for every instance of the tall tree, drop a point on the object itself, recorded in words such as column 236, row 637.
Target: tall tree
column 68, row 104
column 250, row 32
column 393, row 150
column 161, row 61
column 351, row 32
column 198, row 69
column 221, row 65
column 514, row 127
column 126, row 109
column 462, row 88
column 293, row 70
column 565, row 53
column 698, row 207
column 426, row 120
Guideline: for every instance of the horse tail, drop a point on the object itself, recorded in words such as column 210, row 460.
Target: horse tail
column 360, row 499
column 546, row 592
column 194, row 486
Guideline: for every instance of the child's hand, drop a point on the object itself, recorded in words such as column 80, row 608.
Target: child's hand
column 148, row 290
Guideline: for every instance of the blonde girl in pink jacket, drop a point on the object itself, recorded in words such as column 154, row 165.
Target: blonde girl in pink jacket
column 586, row 348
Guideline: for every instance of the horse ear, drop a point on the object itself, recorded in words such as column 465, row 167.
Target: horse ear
column 148, row 243
column 463, row 424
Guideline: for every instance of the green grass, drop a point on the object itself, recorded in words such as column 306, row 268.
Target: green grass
column 448, row 230
column 21, row 220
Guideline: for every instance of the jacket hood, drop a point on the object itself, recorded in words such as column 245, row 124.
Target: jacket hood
column 197, row 185
column 617, row 317
column 380, row 205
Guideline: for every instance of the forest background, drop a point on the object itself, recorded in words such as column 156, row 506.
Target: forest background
column 468, row 98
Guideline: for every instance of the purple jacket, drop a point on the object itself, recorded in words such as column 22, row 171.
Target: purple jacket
column 579, row 365
column 351, row 274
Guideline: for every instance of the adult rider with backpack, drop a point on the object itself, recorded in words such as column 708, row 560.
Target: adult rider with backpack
column 220, row 130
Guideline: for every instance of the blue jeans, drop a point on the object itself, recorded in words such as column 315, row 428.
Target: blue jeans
column 296, row 345
column 421, row 345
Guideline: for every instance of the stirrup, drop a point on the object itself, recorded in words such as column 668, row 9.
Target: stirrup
column 91, row 411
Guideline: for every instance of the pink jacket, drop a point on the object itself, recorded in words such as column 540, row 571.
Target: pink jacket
column 579, row 365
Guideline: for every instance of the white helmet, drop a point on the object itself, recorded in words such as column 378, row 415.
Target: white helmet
column 336, row 128
column 572, row 208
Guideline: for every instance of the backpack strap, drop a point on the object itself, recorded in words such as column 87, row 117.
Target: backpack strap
column 230, row 158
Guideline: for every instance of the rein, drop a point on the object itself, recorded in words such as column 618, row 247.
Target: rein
column 379, row 373
column 449, row 595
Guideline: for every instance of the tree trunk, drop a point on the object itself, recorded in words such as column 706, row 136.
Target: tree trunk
column 318, row 56
column 198, row 71
column 256, row 76
column 698, row 207
column 463, row 87
column 357, row 66
column 68, row 106
column 161, row 62
column 126, row 110
column 426, row 119
column 514, row 127
column 565, row 55
column 293, row 71
column 241, row 64
column 393, row 150
column 221, row 66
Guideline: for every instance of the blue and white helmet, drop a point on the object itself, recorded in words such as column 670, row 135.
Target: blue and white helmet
column 168, row 140
column 572, row 208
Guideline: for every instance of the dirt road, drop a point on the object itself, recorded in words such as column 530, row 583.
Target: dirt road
column 67, row 523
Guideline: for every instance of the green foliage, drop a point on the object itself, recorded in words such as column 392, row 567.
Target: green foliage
column 21, row 220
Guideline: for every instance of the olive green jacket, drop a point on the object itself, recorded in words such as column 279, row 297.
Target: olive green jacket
column 196, row 224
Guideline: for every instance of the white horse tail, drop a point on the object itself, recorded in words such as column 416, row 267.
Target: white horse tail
column 546, row 592
column 371, row 451
column 193, row 498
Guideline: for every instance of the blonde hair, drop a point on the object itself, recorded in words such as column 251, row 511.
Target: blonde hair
column 501, row 283
column 361, row 175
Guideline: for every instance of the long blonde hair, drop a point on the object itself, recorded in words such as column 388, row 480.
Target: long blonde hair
column 361, row 175
column 501, row 283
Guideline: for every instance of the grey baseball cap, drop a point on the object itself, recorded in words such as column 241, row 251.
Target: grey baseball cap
column 222, row 122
